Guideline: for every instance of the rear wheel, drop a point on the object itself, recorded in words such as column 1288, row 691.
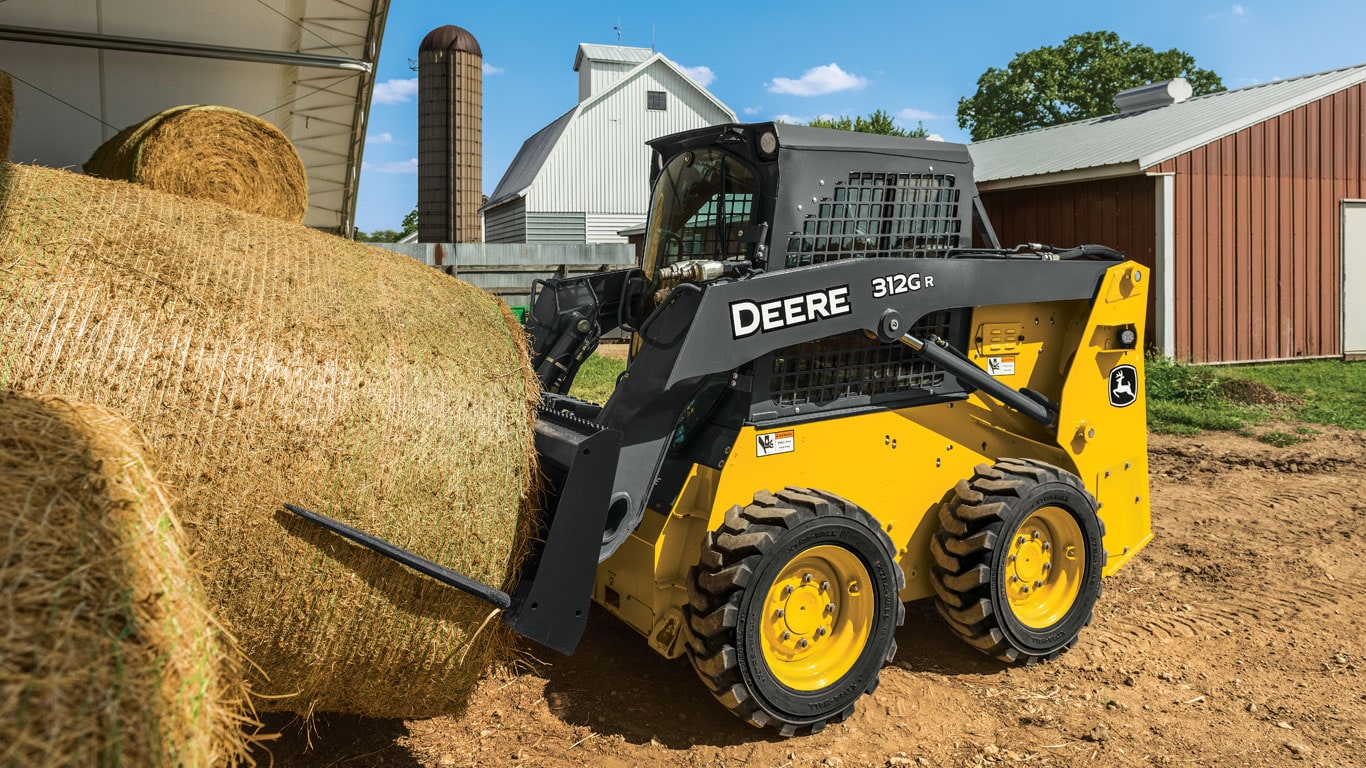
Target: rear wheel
column 794, row 608
column 1018, row 560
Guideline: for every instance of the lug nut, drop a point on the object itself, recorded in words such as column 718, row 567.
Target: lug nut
column 806, row 578
column 779, row 613
column 825, row 586
column 1038, row 584
column 785, row 635
column 1024, row 589
column 1048, row 566
column 1047, row 546
column 820, row 631
column 829, row 607
column 1034, row 535
column 787, row 591
column 1020, row 541
column 1014, row 579
column 802, row 643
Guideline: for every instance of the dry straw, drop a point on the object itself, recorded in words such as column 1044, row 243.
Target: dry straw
column 269, row 363
column 210, row 153
column 109, row 654
column 6, row 114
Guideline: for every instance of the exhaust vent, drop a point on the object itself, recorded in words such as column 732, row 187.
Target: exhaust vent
column 1152, row 95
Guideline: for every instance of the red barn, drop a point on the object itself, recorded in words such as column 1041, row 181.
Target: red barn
column 1247, row 204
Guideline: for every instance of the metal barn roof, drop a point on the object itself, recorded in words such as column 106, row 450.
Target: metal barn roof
column 1131, row 142
column 619, row 53
column 83, row 70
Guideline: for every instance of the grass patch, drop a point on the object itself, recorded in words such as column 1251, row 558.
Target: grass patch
column 597, row 378
column 1333, row 391
column 1281, row 439
column 1185, row 399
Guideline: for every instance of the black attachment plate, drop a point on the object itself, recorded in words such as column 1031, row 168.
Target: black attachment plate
column 579, row 462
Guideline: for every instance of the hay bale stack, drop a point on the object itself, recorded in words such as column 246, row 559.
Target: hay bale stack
column 6, row 114
column 109, row 655
column 210, row 153
column 269, row 363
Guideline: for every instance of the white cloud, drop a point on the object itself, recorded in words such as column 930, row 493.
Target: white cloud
column 380, row 138
column 934, row 137
column 489, row 69
column 752, row 110
column 911, row 113
column 790, row 119
column 397, row 166
column 1236, row 12
column 702, row 75
column 816, row 81
column 395, row 91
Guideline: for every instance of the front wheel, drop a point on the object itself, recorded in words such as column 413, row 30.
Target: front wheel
column 1018, row 560
column 793, row 609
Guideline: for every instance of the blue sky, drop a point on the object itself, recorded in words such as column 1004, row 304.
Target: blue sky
column 800, row 59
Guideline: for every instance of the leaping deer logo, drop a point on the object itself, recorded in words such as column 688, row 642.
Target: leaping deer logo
column 1122, row 389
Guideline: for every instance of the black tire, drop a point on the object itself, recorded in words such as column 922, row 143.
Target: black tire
column 980, row 592
column 730, row 645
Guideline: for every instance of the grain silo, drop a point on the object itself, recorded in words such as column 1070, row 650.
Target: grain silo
column 450, row 136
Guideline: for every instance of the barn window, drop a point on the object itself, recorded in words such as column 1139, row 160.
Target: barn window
column 656, row 100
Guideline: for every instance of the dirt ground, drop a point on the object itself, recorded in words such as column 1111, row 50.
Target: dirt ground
column 1234, row 639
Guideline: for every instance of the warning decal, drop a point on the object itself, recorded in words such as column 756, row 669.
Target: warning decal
column 1001, row 366
column 775, row 442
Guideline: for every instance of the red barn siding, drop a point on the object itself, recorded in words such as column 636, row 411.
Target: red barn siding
column 1119, row 212
column 1258, row 234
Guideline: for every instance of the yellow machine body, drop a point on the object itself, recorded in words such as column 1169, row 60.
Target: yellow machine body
column 900, row 465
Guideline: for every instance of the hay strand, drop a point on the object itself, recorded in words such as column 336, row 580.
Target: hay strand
column 6, row 114
column 210, row 153
column 269, row 363
column 110, row 654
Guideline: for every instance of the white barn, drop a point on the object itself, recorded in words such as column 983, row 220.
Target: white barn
column 585, row 177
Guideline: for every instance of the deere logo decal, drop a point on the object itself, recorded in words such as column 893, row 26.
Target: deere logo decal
column 1123, row 385
column 749, row 317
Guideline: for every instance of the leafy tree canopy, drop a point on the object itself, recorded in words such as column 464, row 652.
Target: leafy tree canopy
column 409, row 223
column 1072, row 81
column 878, row 122
column 379, row 236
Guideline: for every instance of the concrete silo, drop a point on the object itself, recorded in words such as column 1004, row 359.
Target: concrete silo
column 450, row 136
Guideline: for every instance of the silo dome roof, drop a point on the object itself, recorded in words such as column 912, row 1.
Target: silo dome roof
column 450, row 38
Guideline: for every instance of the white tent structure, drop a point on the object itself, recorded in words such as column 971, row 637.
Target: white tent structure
column 84, row 69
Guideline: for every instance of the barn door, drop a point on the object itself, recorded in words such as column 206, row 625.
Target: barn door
column 1354, row 278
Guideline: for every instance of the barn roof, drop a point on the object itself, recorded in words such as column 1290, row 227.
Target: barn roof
column 1128, row 143
column 82, row 71
column 619, row 53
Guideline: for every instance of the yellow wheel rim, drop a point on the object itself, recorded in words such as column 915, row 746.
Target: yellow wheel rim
column 1044, row 567
column 817, row 616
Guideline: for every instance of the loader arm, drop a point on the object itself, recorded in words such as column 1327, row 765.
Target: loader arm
column 569, row 315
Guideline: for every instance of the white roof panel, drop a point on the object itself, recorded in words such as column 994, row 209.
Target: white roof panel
column 619, row 53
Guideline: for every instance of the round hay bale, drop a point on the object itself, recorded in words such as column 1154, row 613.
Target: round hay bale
column 6, row 114
column 210, row 153
column 269, row 363
column 110, row 654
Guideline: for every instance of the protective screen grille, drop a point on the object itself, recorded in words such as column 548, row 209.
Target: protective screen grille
column 881, row 214
column 852, row 365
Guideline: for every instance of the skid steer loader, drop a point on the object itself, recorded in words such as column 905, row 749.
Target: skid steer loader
column 834, row 404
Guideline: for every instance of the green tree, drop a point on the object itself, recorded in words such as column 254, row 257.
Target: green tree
column 379, row 236
column 878, row 122
column 1072, row 81
column 409, row 223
